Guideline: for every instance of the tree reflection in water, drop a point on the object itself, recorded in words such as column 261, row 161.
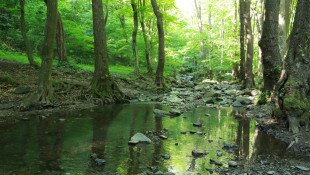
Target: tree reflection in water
column 50, row 138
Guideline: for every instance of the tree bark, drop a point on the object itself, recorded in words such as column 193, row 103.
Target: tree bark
column 159, row 80
column 60, row 40
column 45, row 91
column 249, row 77
column 134, row 37
column 102, row 84
column 293, row 90
column 203, row 51
column 284, row 25
column 23, row 30
column 269, row 45
column 146, row 38
column 242, row 41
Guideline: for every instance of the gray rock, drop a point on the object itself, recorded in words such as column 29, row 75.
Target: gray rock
column 197, row 124
column 217, row 163
column 159, row 113
column 302, row 168
column 237, row 104
column 100, row 162
column 196, row 153
column 271, row 172
column 175, row 112
column 163, row 137
column 166, row 156
column 139, row 138
column 219, row 154
column 174, row 99
column 244, row 100
column 232, row 163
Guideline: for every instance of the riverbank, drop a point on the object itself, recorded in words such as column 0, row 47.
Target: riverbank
column 17, row 81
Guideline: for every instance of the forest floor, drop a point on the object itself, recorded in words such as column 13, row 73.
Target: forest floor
column 17, row 81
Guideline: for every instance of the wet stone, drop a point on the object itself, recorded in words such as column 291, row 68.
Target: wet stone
column 197, row 124
column 166, row 156
column 196, row 153
column 302, row 168
column 100, row 162
column 217, row 163
column 232, row 163
column 271, row 172
column 139, row 138
column 163, row 137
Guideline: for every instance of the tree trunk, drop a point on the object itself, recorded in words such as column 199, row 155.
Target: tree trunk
column 293, row 90
column 242, row 44
column 44, row 92
column 102, row 84
column 249, row 77
column 24, row 33
column 284, row 25
column 159, row 81
column 203, row 51
column 269, row 44
column 134, row 36
column 146, row 38
column 60, row 40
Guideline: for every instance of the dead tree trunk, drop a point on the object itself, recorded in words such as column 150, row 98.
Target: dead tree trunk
column 293, row 90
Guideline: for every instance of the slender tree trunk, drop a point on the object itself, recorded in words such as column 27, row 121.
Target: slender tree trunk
column 134, row 36
column 269, row 44
column 284, row 25
column 24, row 33
column 60, row 40
column 259, row 19
column 44, row 92
column 249, row 77
column 242, row 43
column 102, row 84
column 146, row 38
column 203, row 51
column 159, row 81
column 293, row 90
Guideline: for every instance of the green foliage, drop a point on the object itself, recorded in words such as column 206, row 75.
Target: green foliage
column 182, row 36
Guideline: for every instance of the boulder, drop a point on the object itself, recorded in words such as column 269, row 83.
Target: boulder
column 232, row 163
column 159, row 113
column 139, row 138
column 175, row 112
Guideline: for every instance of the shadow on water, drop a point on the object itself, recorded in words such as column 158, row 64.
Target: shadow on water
column 52, row 145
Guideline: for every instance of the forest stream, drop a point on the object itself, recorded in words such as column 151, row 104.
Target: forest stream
column 64, row 144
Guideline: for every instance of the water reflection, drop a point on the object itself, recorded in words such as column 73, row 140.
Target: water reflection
column 50, row 140
column 65, row 146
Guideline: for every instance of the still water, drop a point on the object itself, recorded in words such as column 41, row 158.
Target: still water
column 56, row 146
